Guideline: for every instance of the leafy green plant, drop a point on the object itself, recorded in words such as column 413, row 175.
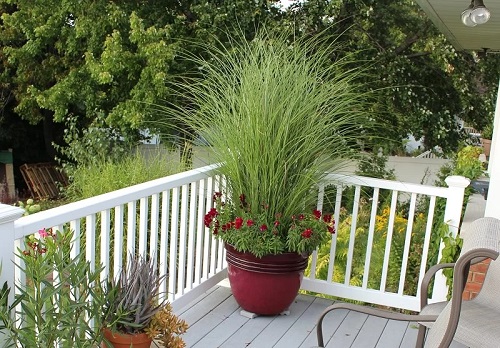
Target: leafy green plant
column 258, row 235
column 465, row 163
column 30, row 207
column 95, row 144
column 59, row 301
column 130, row 169
column 450, row 253
column 279, row 115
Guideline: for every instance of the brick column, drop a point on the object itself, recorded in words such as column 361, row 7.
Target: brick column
column 475, row 279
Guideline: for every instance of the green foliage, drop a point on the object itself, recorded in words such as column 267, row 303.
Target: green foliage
column 93, row 145
column 103, row 57
column 487, row 132
column 468, row 164
column 131, row 169
column 29, row 207
column 450, row 253
column 275, row 140
column 465, row 163
column 373, row 165
column 426, row 83
column 59, row 299
column 256, row 234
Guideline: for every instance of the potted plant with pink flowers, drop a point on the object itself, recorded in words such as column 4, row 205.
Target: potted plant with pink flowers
column 278, row 114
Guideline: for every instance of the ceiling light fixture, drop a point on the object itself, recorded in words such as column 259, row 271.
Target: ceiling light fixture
column 475, row 14
column 466, row 20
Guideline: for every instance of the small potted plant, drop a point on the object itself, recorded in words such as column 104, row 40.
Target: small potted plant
column 134, row 315
column 278, row 114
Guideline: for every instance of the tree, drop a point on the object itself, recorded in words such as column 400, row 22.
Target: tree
column 425, row 84
column 107, row 59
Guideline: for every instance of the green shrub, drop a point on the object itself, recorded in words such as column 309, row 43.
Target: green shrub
column 106, row 176
column 60, row 298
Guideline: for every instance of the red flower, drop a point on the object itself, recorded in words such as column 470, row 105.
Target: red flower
column 301, row 217
column 263, row 228
column 276, row 223
column 307, row 233
column 331, row 229
column 250, row 222
column 316, row 213
column 216, row 231
column 238, row 222
column 208, row 220
column 327, row 218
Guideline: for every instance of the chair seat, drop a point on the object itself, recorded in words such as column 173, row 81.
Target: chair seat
column 432, row 309
column 479, row 325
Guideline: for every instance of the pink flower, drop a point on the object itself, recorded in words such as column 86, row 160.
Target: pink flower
column 307, row 233
column 43, row 233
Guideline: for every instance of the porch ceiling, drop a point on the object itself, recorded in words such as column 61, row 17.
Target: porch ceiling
column 445, row 14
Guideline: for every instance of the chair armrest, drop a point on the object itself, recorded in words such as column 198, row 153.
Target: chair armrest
column 431, row 272
column 370, row 311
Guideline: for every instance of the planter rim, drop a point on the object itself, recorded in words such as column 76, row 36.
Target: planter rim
column 271, row 264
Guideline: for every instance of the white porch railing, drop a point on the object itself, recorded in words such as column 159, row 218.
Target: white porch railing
column 400, row 193
column 164, row 219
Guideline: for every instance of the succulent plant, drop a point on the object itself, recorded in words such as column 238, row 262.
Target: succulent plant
column 134, row 297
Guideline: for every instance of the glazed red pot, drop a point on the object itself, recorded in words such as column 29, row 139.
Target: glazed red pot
column 119, row 340
column 267, row 285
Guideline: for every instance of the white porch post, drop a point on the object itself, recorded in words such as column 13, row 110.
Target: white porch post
column 453, row 212
column 493, row 201
column 8, row 214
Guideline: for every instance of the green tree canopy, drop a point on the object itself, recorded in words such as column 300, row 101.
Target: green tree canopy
column 106, row 59
column 426, row 84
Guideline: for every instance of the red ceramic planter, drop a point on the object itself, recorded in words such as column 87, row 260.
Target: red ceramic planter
column 267, row 285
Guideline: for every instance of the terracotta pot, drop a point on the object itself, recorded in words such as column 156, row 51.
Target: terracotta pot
column 267, row 285
column 119, row 340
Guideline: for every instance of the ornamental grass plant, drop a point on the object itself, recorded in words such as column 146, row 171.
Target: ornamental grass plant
column 278, row 114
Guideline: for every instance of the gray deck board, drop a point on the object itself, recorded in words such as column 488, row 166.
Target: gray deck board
column 214, row 321
column 393, row 334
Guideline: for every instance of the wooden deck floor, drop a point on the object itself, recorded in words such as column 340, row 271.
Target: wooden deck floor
column 215, row 321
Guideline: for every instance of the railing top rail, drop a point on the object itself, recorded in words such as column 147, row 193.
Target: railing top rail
column 388, row 184
column 59, row 215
